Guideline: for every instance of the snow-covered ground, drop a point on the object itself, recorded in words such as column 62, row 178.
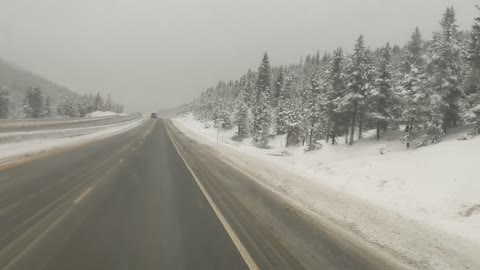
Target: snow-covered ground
column 103, row 114
column 61, row 138
column 422, row 205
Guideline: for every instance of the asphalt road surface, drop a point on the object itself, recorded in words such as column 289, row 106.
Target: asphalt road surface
column 132, row 202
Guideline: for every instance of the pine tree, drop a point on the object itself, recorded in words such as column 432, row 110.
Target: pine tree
column 293, row 121
column 222, row 119
column 241, row 118
column 98, row 103
column 277, row 87
column 108, row 104
column 4, row 101
column 33, row 103
column 264, row 77
column 47, row 108
column 262, row 120
column 261, row 112
column 444, row 82
column 283, row 107
column 335, row 90
column 415, row 50
column 68, row 107
column 312, row 109
column 383, row 92
column 472, row 87
column 412, row 86
column 359, row 76
column 118, row 108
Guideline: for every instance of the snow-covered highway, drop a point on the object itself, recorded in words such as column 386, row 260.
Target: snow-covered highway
column 152, row 198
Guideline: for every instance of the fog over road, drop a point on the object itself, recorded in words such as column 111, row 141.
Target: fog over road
column 132, row 202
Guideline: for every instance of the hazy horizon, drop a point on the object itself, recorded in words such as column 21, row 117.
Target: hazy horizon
column 158, row 54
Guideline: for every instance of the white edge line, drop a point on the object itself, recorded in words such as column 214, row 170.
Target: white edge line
column 85, row 193
column 236, row 241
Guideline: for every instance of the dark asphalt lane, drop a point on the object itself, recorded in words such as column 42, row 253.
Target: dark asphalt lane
column 128, row 202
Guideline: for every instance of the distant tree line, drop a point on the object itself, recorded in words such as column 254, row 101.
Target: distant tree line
column 425, row 87
column 37, row 105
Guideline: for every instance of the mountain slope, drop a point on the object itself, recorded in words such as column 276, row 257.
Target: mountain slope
column 18, row 80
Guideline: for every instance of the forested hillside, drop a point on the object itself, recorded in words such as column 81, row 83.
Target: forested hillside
column 26, row 95
column 424, row 87
column 17, row 81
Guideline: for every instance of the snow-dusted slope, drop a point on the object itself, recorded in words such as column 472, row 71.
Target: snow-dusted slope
column 418, row 203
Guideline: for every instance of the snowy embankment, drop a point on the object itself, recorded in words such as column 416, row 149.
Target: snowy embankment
column 19, row 144
column 103, row 114
column 421, row 205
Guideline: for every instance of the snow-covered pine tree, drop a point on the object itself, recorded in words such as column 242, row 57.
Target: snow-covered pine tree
column 444, row 81
column 262, row 120
column 85, row 105
column 331, row 101
column 108, row 103
column 67, row 107
column 359, row 73
column 411, row 90
column 382, row 94
column 472, row 82
column 312, row 110
column 4, row 101
column 365, row 92
column 286, row 94
column 33, row 103
column 241, row 118
column 261, row 112
column 98, row 103
column 277, row 87
column 222, row 119
column 47, row 108
column 293, row 121
column 118, row 108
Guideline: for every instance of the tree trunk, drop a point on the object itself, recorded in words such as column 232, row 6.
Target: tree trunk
column 288, row 137
column 378, row 129
column 328, row 131
column 360, row 124
column 379, row 106
column 354, row 116
column 311, row 137
column 346, row 135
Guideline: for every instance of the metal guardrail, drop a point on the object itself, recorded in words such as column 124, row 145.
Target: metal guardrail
column 19, row 125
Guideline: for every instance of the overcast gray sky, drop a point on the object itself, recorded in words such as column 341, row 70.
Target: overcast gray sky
column 151, row 54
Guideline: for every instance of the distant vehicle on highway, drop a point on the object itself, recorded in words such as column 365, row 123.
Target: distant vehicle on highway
column 154, row 115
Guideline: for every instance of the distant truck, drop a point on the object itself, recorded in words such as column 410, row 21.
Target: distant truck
column 153, row 115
